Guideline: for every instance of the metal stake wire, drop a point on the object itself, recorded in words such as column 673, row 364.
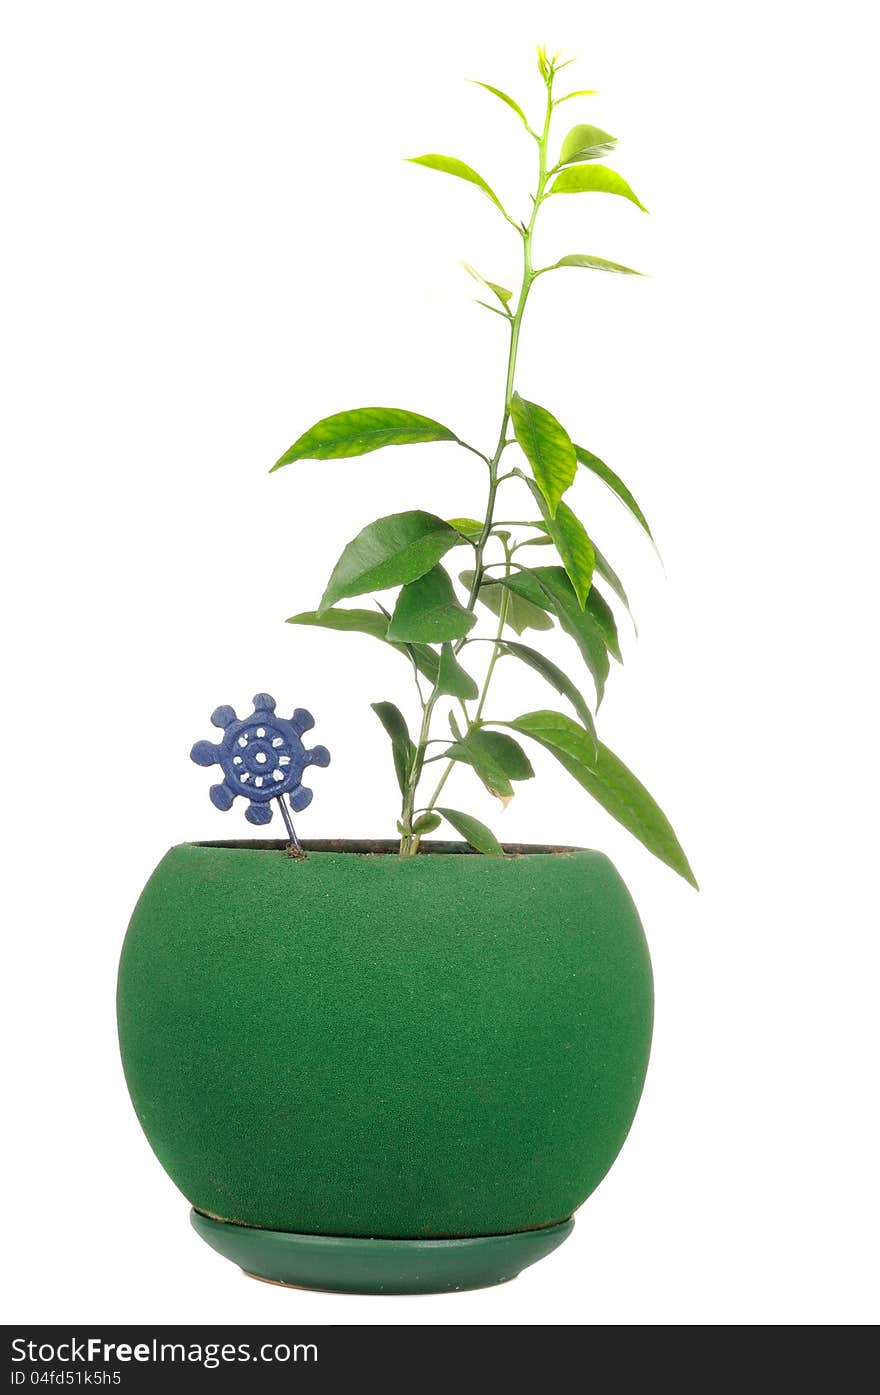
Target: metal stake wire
column 288, row 824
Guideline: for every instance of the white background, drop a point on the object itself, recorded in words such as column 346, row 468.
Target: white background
column 210, row 242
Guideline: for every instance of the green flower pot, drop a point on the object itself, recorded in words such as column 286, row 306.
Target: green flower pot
column 379, row 1074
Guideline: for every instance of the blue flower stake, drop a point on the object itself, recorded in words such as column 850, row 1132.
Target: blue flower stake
column 262, row 758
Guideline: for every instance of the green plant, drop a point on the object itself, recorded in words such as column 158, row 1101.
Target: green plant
column 430, row 624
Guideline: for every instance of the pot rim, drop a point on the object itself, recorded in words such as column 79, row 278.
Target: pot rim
column 371, row 847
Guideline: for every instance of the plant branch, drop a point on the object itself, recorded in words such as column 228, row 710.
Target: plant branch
column 473, row 450
column 409, row 841
column 528, row 277
column 439, row 789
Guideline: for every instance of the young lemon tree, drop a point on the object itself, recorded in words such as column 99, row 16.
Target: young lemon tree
column 433, row 625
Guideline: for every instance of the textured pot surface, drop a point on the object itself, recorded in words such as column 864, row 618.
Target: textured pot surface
column 363, row 1045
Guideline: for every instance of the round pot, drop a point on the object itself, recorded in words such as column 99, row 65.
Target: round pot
column 384, row 1074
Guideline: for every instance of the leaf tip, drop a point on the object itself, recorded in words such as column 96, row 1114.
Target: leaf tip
column 687, row 873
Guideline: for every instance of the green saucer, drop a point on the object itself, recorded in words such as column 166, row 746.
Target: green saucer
column 343, row 1264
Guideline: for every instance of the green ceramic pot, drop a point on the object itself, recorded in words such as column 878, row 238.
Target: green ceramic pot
column 445, row 1049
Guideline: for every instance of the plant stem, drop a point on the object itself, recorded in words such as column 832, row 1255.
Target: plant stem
column 410, row 841
column 496, row 648
column 440, row 783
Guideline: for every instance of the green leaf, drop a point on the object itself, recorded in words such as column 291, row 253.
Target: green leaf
column 558, row 733
column 593, row 264
column 547, row 447
column 626, row 799
column 495, row 780
column 470, row 528
column 390, row 552
column 593, row 179
column 447, row 164
column 614, row 483
column 524, row 582
column 604, row 618
column 452, row 680
column 426, row 823
column 402, row 748
column 575, row 549
column 363, row 430
column 521, row 614
column 475, row 833
column 367, row 622
column 581, row 92
column 503, row 97
column 551, row 588
column 370, row 622
column 426, row 659
column 503, row 294
column 504, row 751
column 427, row 609
column 585, row 143
column 554, row 676
column 572, row 543
column 606, row 571
column 496, row 758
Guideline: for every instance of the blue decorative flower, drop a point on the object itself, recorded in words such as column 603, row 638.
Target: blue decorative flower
column 262, row 758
